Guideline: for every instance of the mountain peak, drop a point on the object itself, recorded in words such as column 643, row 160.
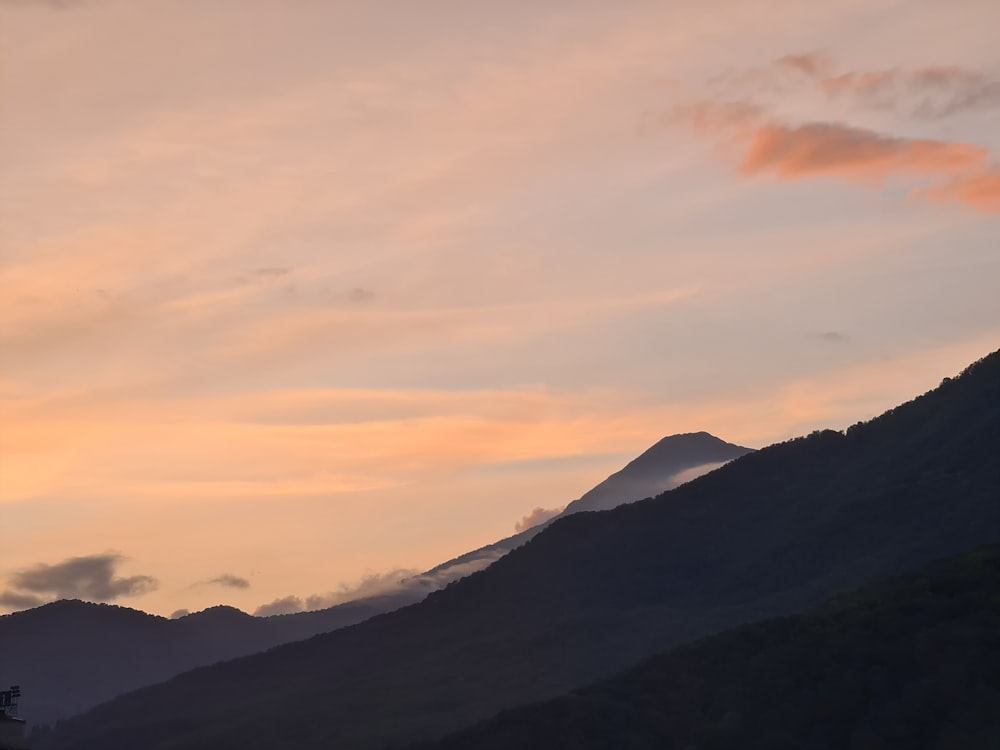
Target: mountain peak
column 672, row 460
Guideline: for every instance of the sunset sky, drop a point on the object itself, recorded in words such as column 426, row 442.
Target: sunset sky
column 299, row 292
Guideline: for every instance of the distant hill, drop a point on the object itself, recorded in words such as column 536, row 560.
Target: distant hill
column 771, row 533
column 912, row 663
column 70, row 655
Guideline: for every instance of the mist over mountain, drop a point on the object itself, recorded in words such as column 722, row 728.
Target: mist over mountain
column 72, row 655
column 768, row 534
column 669, row 463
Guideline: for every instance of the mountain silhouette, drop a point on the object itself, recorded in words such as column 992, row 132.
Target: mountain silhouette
column 73, row 655
column 670, row 462
column 911, row 663
column 774, row 532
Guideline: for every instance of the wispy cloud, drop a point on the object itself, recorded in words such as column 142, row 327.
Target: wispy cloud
column 409, row 585
column 228, row 581
column 693, row 473
column 373, row 584
column 929, row 92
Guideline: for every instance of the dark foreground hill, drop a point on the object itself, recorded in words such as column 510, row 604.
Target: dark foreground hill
column 69, row 656
column 912, row 663
column 771, row 533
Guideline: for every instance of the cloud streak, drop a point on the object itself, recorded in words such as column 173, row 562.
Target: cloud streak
column 228, row 580
column 929, row 92
column 410, row 585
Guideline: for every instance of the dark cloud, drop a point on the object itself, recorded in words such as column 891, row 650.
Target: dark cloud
column 178, row 614
column 272, row 271
column 832, row 336
column 15, row 600
column 537, row 516
column 91, row 577
column 227, row 579
column 49, row 4
column 285, row 606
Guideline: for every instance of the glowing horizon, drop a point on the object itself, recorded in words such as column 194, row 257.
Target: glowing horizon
column 302, row 294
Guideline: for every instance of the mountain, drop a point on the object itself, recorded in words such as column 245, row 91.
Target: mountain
column 669, row 463
column 911, row 663
column 769, row 534
column 71, row 655
column 672, row 461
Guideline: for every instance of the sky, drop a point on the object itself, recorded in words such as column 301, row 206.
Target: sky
column 298, row 294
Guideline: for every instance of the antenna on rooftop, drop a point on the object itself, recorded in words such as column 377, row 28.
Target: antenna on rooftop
column 11, row 727
column 8, row 701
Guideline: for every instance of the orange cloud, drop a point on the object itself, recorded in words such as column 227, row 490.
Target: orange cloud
column 834, row 149
column 750, row 134
column 978, row 191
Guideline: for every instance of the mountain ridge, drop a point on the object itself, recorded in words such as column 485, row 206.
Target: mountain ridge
column 906, row 662
column 771, row 533
column 64, row 675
